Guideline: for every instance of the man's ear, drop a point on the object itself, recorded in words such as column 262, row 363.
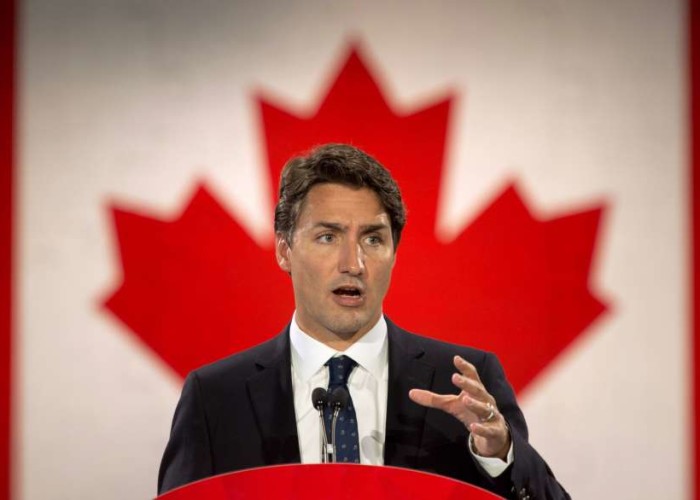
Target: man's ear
column 282, row 250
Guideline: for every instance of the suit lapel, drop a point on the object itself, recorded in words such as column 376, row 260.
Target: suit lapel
column 272, row 398
column 405, row 420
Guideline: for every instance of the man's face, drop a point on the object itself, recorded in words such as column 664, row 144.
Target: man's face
column 340, row 260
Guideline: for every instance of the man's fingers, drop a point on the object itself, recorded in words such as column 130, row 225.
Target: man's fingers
column 472, row 387
column 430, row 399
column 466, row 368
column 468, row 385
column 488, row 432
column 457, row 406
column 474, row 407
column 483, row 411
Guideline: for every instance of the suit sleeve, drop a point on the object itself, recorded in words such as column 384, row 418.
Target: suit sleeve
column 187, row 456
column 528, row 476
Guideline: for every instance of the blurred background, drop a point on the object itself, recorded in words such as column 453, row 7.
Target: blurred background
column 543, row 150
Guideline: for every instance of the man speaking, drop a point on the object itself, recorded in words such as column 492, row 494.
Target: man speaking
column 342, row 383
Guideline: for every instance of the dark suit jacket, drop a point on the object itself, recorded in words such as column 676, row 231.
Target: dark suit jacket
column 238, row 413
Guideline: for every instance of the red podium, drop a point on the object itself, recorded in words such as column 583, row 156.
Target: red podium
column 318, row 481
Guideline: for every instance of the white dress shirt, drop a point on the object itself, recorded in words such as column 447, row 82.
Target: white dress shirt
column 368, row 386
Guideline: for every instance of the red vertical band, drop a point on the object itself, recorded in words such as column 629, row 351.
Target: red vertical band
column 7, row 115
column 694, row 136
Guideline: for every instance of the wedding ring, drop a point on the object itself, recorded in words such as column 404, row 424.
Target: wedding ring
column 490, row 416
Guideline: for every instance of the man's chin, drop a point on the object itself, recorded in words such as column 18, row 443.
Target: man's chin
column 352, row 325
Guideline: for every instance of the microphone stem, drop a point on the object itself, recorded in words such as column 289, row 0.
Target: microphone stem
column 333, row 427
column 324, row 439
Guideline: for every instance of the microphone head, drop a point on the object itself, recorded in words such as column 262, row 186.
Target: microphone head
column 339, row 398
column 319, row 398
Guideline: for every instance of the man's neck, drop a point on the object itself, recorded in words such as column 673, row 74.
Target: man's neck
column 337, row 341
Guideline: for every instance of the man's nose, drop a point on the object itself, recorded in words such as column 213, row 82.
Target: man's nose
column 352, row 259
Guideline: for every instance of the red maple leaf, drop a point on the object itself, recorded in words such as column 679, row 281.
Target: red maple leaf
column 198, row 288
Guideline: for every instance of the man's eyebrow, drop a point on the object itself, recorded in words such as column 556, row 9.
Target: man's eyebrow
column 329, row 225
column 372, row 228
column 369, row 228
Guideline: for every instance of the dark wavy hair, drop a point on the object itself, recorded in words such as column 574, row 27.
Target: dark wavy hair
column 339, row 164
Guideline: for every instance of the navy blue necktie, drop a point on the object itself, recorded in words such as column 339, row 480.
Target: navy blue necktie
column 347, row 447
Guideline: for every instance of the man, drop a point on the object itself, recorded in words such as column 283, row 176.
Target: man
column 414, row 402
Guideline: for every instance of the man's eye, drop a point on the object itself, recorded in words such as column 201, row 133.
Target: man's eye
column 374, row 240
column 326, row 238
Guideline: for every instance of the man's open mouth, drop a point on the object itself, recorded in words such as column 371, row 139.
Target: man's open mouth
column 347, row 291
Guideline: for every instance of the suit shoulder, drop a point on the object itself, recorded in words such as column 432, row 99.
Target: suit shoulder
column 434, row 348
column 242, row 364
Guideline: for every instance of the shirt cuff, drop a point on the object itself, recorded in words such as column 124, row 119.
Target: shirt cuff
column 493, row 466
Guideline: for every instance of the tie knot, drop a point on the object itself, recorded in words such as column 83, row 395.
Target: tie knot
column 339, row 369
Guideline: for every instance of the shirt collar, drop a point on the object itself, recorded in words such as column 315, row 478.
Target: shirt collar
column 309, row 355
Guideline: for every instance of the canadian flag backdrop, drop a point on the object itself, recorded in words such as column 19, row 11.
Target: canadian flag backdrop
column 543, row 148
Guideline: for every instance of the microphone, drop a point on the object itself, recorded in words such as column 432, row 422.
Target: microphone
column 319, row 399
column 337, row 400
